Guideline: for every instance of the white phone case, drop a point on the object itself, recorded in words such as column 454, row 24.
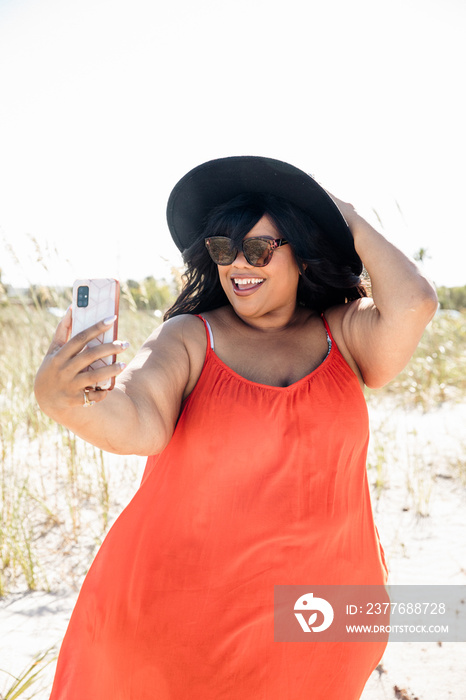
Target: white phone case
column 102, row 302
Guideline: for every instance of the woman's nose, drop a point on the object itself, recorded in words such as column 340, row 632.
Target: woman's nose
column 240, row 260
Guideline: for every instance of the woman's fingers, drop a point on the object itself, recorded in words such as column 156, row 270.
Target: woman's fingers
column 98, row 352
column 87, row 384
column 80, row 351
column 91, row 397
column 94, row 377
column 79, row 341
column 346, row 208
column 91, row 355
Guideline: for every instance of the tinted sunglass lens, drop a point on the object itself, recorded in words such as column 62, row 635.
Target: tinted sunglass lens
column 221, row 250
column 257, row 252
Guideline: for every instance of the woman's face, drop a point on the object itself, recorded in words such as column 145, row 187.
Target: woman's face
column 254, row 292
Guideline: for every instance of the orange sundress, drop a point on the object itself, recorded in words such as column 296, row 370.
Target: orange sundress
column 259, row 486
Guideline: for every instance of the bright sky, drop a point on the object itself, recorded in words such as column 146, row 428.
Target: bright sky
column 105, row 104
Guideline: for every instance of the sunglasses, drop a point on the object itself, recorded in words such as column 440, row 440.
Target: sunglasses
column 257, row 251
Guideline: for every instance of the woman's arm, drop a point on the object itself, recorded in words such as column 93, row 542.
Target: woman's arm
column 382, row 333
column 138, row 416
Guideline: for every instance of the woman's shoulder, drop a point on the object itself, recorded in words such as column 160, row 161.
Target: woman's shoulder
column 186, row 329
column 182, row 334
column 192, row 333
column 178, row 342
column 181, row 324
column 337, row 320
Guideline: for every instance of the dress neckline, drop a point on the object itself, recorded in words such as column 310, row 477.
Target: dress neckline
column 327, row 359
column 322, row 365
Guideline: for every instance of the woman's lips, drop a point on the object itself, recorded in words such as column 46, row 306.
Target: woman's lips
column 242, row 286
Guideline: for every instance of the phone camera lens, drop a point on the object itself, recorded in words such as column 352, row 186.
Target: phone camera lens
column 83, row 296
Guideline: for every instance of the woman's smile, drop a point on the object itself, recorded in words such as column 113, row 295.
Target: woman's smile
column 243, row 285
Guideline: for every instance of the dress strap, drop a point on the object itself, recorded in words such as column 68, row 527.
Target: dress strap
column 210, row 336
column 329, row 335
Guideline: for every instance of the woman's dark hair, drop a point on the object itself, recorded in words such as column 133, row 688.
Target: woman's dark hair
column 325, row 279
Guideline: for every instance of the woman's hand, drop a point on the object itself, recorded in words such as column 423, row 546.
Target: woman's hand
column 347, row 210
column 63, row 375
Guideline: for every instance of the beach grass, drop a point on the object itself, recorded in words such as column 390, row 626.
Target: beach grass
column 25, row 681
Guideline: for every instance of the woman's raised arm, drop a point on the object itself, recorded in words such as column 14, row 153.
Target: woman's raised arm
column 382, row 332
column 138, row 416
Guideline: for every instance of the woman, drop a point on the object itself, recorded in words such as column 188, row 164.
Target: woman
column 249, row 401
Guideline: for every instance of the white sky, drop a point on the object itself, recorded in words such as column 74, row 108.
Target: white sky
column 105, row 104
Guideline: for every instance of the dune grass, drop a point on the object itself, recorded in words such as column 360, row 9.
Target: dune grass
column 24, row 683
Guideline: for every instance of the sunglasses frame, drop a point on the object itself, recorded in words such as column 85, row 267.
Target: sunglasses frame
column 273, row 244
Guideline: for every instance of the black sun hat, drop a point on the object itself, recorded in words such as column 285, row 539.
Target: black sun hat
column 217, row 181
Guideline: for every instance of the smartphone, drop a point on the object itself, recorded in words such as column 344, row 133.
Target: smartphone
column 94, row 300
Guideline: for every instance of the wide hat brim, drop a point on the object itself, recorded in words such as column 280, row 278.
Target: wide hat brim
column 217, row 181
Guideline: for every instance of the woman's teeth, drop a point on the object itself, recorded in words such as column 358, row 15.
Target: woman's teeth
column 243, row 283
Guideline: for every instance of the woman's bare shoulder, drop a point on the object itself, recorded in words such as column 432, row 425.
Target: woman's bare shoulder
column 170, row 361
column 191, row 334
column 178, row 329
column 335, row 317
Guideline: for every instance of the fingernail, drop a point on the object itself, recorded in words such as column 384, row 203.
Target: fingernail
column 122, row 343
column 122, row 365
column 108, row 321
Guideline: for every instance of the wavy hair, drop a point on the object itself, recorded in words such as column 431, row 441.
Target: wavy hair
column 325, row 279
